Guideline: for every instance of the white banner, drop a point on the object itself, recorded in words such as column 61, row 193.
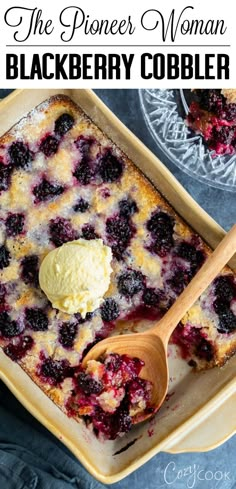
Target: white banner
column 117, row 44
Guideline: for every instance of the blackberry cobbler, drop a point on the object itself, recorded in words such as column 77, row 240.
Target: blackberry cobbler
column 213, row 115
column 110, row 394
column 62, row 179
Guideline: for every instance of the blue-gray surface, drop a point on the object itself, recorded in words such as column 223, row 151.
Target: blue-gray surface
column 31, row 458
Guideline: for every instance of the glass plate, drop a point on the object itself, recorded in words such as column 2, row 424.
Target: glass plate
column 164, row 112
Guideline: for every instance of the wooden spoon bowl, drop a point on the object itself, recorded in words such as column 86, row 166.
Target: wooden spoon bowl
column 151, row 346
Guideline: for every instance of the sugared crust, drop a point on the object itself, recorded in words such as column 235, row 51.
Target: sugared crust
column 31, row 129
column 229, row 94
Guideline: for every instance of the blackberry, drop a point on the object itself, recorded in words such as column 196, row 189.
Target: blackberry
column 61, row 231
column 36, row 319
column 136, row 389
column 109, row 310
column 49, row 145
column 110, row 168
column 204, row 349
column 118, row 229
column 67, row 334
column 127, row 208
column 151, row 297
column 83, row 173
column 63, row 124
column 103, row 423
column 113, row 362
column 179, row 280
column 188, row 252
column 210, row 100
column 20, row 155
column 5, row 175
column 16, row 351
column 81, row 206
column 46, row 191
column 9, row 327
column 227, row 112
column 227, row 321
column 123, row 420
column 112, row 425
column 161, row 224
column 88, row 385
column 55, row 371
column 4, row 257
column 119, row 233
column 84, row 144
column 119, row 246
column 162, row 246
column 220, row 306
column 14, row 224
column 225, row 288
column 118, row 251
column 222, row 134
column 88, row 232
column 130, row 283
column 30, row 269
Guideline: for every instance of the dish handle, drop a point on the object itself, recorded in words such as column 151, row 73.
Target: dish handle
column 206, row 436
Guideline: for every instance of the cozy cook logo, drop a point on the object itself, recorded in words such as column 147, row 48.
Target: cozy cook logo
column 195, row 476
column 164, row 42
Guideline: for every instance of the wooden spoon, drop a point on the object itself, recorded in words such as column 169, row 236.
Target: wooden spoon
column 151, row 345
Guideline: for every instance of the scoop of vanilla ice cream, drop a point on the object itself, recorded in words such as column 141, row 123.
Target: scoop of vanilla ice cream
column 76, row 275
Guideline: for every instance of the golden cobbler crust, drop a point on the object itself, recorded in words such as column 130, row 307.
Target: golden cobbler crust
column 229, row 94
column 150, row 253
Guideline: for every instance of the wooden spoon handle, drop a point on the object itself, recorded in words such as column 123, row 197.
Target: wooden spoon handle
column 212, row 266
